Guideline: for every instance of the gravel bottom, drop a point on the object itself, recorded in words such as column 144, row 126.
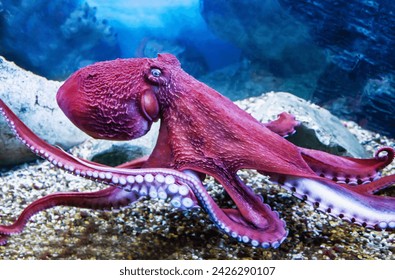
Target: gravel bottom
column 150, row 229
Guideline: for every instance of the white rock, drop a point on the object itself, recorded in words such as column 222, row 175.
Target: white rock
column 32, row 98
column 319, row 128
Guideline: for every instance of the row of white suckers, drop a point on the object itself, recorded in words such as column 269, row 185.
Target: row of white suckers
column 154, row 186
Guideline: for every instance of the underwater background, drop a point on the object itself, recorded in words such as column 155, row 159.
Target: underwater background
column 338, row 54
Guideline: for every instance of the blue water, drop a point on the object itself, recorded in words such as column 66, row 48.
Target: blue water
column 137, row 21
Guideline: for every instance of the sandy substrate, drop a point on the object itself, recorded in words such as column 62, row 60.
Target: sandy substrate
column 151, row 229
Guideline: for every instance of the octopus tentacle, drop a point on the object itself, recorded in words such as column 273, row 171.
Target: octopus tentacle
column 253, row 221
column 102, row 199
column 172, row 187
column 374, row 187
column 154, row 182
column 346, row 170
column 235, row 224
column 349, row 204
column 284, row 126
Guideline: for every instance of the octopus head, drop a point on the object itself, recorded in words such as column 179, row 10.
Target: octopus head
column 117, row 99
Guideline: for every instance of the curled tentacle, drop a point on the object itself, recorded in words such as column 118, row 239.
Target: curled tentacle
column 387, row 158
column 259, row 226
column 347, row 170
column 253, row 220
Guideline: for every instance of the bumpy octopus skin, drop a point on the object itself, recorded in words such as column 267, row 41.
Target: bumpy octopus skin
column 201, row 133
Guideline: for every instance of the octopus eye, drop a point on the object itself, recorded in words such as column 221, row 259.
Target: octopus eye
column 156, row 72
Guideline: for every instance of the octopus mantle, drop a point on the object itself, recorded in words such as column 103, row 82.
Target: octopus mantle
column 201, row 133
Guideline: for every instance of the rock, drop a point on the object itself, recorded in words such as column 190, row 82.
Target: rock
column 378, row 106
column 55, row 38
column 359, row 38
column 354, row 32
column 32, row 98
column 249, row 78
column 192, row 60
column 269, row 36
column 241, row 80
column 375, row 108
column 325, row 51
column 263, row 30
column 114, row 153
column 319, row 129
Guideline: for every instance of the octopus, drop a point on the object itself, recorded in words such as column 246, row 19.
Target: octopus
column 201, row 133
